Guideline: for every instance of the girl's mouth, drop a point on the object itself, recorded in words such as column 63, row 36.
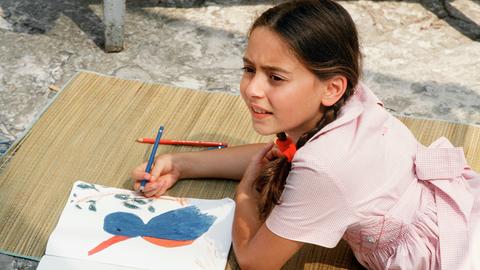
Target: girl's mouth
column 259, row 111
column 260, row 114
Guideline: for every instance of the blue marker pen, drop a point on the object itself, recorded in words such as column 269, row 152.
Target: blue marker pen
column 152, row 157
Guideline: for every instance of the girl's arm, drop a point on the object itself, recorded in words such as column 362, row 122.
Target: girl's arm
column 256, row 247
column 229, row 163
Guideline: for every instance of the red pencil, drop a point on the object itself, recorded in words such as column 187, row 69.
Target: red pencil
column 178, row 142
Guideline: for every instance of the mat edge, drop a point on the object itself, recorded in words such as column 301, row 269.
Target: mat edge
column 398, row 115
column 13, row 254
column 155, row 83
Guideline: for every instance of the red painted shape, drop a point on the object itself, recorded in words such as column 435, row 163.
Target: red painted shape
column 107, row 243
column 166, row 242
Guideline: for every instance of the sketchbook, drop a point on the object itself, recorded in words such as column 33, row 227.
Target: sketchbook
column 116, row 229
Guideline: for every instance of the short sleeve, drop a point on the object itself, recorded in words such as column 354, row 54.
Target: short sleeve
column 314, row 207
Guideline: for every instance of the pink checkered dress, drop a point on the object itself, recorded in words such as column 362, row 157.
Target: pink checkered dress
column 399, row 204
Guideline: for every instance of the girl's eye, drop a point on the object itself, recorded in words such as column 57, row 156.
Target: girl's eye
column 248, row 69
column 276, row 78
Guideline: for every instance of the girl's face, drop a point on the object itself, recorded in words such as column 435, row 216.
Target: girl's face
column 280, row 92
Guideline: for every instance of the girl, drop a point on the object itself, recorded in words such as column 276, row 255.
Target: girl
column 342, row 167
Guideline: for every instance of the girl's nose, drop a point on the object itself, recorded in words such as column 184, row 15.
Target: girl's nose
column 255, row 87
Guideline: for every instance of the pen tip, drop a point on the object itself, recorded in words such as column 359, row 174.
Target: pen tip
column 140, row 140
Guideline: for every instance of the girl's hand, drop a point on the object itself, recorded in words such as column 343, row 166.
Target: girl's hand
column 164, row 175
column 273, row 153
column 269, row 152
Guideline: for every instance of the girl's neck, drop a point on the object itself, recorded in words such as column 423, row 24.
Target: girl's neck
column 295, row 135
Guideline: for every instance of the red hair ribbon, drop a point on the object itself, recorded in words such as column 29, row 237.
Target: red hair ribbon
column 287, row 147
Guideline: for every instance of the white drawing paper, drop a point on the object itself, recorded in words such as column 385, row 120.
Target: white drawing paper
column 118, row 227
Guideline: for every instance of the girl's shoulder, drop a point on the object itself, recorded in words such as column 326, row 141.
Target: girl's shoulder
column 362, row 105
column 363, row 129
column 368, row 151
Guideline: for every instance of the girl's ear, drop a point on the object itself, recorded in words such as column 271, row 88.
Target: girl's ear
column 335, row 88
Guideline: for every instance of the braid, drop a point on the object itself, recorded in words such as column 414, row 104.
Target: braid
column 329, row 115
column 270, row 184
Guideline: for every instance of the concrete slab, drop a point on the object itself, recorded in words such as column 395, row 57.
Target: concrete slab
column 422, row 58
column 13, row 263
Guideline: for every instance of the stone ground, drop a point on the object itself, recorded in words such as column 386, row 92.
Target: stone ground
column 422, row 58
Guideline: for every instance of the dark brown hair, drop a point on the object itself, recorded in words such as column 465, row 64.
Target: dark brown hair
column 323, row 36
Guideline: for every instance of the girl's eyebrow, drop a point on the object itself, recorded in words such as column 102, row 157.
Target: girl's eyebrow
column 272, row 68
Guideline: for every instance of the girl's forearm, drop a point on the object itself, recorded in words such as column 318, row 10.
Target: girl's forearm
column 246, row 220
column 228, row 163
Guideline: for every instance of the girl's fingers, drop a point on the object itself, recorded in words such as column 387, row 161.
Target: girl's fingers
column 138, row 182
column 262, row 154
column 264, row 151
column 157, row 169
column 153, row 191
column 150, row 187
column 273, row 154
column 277, row 153
column 139, row 171
column 256, row 162
column 162, row 189
column 168, row 184
column 161, row 185
column 167, row 181
column 136, row 186
column 269, row 155
column 160, row 192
